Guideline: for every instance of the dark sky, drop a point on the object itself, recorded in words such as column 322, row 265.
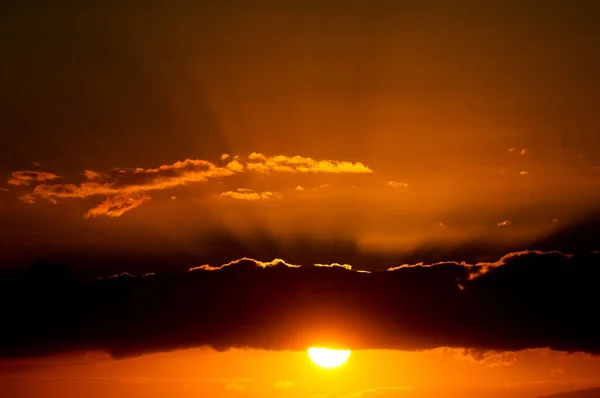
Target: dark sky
column 476, row 121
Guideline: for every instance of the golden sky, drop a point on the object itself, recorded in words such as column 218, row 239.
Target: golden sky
column 457, row 140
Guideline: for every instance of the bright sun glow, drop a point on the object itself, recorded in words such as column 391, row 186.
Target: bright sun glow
column 328, row 358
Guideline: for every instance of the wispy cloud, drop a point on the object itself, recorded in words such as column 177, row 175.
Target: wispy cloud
column 300, row 164
column 126, row 189
column 26, row 177
column 115, row 206
column 245, row 195
column 397, row 184
column 92, row 175
column 27, row 198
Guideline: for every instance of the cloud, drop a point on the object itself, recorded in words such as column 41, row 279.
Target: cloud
column 125, row 188
column 225, row 156
column 247, row 261
column 92, row 175
column 503, row 223
column 345, row 266
column 396, row 184
column 236, row 166
column 23, row 178
column 523, row 151
column 492, row 359
column 248, row 195
column 524, row 173
column 300, row 164
column 283, row 384
column 299, row 188
column 524, row 300
column 27, row 198
column 115, row 206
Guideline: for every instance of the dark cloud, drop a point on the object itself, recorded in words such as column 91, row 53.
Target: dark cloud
column 525, row 300
column 588, row 393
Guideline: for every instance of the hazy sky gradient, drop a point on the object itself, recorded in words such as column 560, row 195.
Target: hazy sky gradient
column 370, row 133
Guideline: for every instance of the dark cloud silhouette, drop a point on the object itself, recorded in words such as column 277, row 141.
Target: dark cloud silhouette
column 524, row 300
column 588, row 393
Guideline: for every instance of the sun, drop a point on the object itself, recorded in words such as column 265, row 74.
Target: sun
column 328, row 358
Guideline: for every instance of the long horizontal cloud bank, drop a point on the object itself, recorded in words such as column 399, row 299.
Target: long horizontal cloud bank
column 525, row 300
column 126, row 189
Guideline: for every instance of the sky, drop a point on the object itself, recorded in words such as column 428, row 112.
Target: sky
column 177, row 176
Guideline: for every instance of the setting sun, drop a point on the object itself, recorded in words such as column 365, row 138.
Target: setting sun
column 328, row 358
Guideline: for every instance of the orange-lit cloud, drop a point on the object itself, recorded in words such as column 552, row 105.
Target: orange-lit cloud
column 503, row 223
column 235, row 166
column 260, row 264
column 249, row 195
column 524, row 173
column 126, row 189
column 292, row 164
column 344, row 266
column 115, row 206
column 396, row 184
column 27, row 177
column 27, row 198
column 92, row 175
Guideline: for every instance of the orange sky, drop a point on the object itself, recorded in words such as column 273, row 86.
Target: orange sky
column 203, row 372
column 157, row 138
